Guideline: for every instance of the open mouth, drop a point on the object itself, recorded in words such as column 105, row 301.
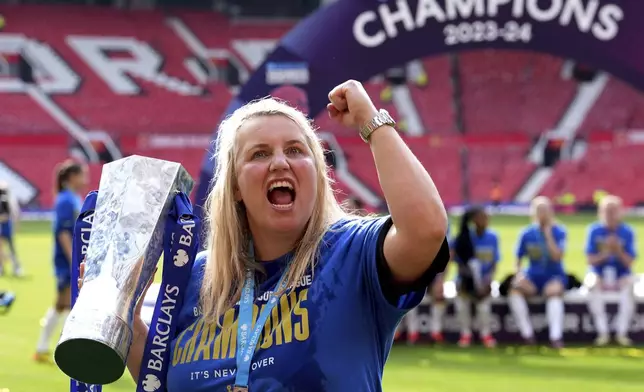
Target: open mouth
column 281, row 194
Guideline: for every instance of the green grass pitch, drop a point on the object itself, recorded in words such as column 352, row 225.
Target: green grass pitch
column 423, row 368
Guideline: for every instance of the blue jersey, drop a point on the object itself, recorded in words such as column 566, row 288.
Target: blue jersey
column 332, row 333
column 532, row 244
column 595, row 243
column 66, row 209
column 486, row 250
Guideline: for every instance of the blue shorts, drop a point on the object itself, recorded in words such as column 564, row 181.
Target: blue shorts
column 6, row 230
column 63, row 281
column 541, row 280
column 620, row 271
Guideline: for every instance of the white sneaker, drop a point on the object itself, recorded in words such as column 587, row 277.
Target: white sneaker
column 19, row 273
column 624, row 341
column 602, row 340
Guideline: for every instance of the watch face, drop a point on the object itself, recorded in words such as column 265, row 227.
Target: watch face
column 385, row 117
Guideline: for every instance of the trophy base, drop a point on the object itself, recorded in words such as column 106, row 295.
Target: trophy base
column 94, row 352
column 89, row 361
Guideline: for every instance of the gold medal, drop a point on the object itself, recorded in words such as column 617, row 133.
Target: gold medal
column 240, row 389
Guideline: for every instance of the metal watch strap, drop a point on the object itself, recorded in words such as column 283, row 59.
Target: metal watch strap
column 380, row 119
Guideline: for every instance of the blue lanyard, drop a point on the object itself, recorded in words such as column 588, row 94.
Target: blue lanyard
column 82, row 230
column 246, row 339
column 180, row 246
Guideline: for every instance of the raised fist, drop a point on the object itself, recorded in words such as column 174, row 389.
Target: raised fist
column 350, row 105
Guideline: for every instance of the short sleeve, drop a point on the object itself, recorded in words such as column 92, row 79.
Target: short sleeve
column 560, row 237
column 495, row 245
column 65, row 216
column 520, row 247
column 629, row 243
column 591, row 244
column 378, row 277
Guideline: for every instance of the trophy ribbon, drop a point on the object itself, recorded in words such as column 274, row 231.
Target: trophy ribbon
column 82, row 231
column 180, row 247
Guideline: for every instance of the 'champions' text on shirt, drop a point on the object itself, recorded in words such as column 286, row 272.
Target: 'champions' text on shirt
column 289, row 322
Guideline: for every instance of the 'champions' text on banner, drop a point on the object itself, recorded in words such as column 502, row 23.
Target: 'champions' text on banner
column 475, row 20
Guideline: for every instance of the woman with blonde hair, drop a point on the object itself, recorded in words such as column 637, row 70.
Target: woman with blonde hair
column 610, row 248
column 543, row 242
column 292, row 293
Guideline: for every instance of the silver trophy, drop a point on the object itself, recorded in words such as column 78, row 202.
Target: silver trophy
column 134, row 198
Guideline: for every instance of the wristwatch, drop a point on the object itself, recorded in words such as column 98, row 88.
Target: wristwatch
column 382, row 118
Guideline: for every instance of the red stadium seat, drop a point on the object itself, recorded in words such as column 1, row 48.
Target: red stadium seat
column 618, row 107
column 435, row 101
column 505, row 91
column 19, row 114
column 502, row 164
column 160, row 107
column 443, row 162
column 603, row 167
column 36, row 163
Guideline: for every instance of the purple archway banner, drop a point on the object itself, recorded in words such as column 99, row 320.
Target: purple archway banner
column 357, row 39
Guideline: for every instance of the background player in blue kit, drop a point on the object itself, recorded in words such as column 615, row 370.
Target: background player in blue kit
column 71, row 180
column 437, row 293
column 476, row 252
column 9, row 215
column 544, row 243
column 610, row 247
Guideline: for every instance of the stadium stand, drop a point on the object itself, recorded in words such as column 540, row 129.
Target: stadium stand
column 619, row 107
column 160, row 105
column 604, row 167
column 21, row 114
column 515, row 94
column 19, row 153
column 435, row 101
column 201, row 24
column 506, row 91
column 445, row 158
column 491, row 164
